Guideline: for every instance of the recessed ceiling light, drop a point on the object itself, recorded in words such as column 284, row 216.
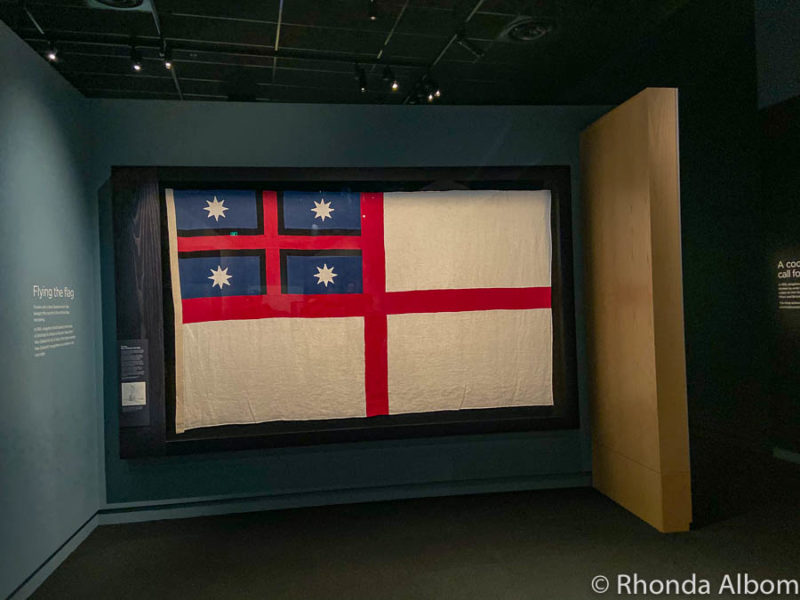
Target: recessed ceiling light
column 52, row 53
column 527, row 29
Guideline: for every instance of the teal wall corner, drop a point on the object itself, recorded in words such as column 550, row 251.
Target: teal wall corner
column 49, row 442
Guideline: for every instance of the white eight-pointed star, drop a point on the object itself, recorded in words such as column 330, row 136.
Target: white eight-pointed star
column 322, row 210
column 220, row 276
column 325, row 275
column 216, row 208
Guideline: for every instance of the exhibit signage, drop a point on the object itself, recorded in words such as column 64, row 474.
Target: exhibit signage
column 52, row 324
column 133, row 383
column 788, row 275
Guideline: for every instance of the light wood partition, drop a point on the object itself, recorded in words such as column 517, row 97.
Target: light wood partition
column 630, row 183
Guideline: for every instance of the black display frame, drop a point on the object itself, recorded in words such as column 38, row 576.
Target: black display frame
column 144, row 304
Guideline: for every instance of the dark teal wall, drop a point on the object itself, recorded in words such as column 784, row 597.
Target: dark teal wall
column 49, row 442
column 780, row 158
column 777, row 34
column 777, row 27
column 217, row 134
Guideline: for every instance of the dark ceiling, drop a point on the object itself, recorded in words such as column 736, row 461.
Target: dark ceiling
column 307, row 50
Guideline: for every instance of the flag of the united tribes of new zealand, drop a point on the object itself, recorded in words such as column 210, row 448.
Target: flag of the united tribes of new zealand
column 297, row 305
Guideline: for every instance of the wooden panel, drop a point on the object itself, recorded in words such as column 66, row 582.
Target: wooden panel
column 137, row 262
column 630, row 184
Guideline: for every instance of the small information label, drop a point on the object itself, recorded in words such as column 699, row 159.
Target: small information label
column 133, row 374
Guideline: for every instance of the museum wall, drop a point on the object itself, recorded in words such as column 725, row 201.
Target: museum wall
column 777, row 28
column 231, row 134
column 49, row 442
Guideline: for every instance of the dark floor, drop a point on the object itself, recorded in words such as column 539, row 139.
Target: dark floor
column 544, row 544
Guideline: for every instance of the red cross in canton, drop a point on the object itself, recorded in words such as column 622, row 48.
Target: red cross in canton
column 374, row 304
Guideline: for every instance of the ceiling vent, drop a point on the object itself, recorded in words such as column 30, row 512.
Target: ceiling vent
column 527, row 29
column 119, row 4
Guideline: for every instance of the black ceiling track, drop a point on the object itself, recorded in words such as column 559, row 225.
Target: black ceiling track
column 305, row 50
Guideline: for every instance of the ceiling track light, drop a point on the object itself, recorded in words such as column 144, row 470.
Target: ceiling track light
column 361, row 77
column 372, row 11
column 434, row 88
column 166, row 53
column 136, row 59
column 422, row 93
column 52, row 52
column 388, row 77
column 428, row 89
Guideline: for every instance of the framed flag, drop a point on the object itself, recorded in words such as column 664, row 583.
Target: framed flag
column 299, row 306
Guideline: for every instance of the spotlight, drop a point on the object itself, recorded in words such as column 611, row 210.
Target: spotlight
column 136, row 59
column 167, row 57
column 373, row 11
column 361, row 77
column 429, row 88
column 52, row 53
column 434, row 88
column 389, row 76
